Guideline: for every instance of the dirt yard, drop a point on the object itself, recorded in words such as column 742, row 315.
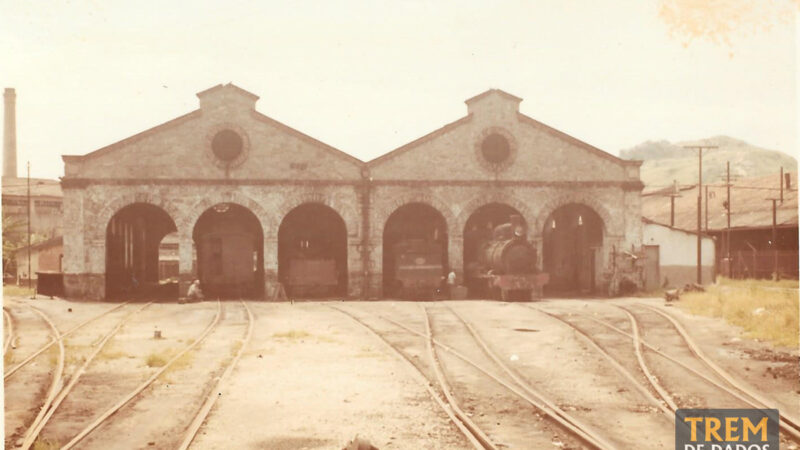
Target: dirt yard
column 317, row 374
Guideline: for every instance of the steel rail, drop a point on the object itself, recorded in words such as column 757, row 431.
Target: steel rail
column 108, row 413
column 695, row 372
column 202, row 414
column 36, row 428
column 614, row 363
column 59, row 372
column 541, row 402
column 30, row 358
column 790, row 424
column 10, row 327
column 435, row 363
column 637, row 346
column 417, row 374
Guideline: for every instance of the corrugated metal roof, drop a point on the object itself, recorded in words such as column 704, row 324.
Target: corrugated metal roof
column 39, row 187
column 750, row 207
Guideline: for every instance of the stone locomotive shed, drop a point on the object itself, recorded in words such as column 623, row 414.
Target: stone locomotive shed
column 120, row 200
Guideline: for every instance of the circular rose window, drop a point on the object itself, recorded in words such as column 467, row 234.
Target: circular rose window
column 495, row 148
column 227, row 145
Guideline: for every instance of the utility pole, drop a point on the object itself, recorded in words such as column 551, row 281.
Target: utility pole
column 706, row 208
column 672, row 202
column 29, row 224
column 728, row 210
column 774, row 241
column 699, row 149
column 781, row 184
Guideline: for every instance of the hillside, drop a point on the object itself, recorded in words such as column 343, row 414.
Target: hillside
column 665, row 161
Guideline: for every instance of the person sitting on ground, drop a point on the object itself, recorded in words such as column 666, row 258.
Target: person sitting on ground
column 195, row 293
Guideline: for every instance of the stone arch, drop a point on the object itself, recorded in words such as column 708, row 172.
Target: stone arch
column 495, row 197
column 98, row 227
column 346, row 211
column 609, row 222
column 187, row 221
column 433, row 201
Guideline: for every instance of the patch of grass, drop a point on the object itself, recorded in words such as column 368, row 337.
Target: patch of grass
column 46, row 444
column 156, row 360
column 110, row 352
column 12, row 290
column 292, row 334
column 327, row 339
column 766, row 310
column 751, row 283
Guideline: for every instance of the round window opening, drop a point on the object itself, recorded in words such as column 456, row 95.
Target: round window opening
column 495, row 148
column 227, row 145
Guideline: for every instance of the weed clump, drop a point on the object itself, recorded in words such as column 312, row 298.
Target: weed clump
column 765, row 310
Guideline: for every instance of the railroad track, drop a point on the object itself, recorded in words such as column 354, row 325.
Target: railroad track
column 88, row 429
column 56, row 378
column 734, row 388
column 524, row 391
column 204, row 411
column 788, row 423
column 38, row 424
column 662, row 405
column 56, row 340
column 9, row 331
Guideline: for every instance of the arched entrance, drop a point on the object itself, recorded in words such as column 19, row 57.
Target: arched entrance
column 477, row 232
column 414, row 252
column 230, row 252
column 573, row 236
column 133, row 237
column 312, row 252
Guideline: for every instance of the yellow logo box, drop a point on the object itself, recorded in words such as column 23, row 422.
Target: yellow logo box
column 726, row 429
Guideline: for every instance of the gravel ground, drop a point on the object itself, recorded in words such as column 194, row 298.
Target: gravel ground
column 312, row 377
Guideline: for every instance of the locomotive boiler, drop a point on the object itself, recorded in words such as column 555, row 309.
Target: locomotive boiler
column 507, row 263
column 418, row 268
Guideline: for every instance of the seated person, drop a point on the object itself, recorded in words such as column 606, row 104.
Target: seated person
column 195, row 293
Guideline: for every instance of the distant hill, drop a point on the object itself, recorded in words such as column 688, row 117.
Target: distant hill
column 666, row 161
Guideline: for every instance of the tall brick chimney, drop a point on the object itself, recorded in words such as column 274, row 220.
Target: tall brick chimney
column 10, row 134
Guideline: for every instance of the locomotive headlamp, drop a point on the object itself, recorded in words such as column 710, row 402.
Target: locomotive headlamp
column 518, row 231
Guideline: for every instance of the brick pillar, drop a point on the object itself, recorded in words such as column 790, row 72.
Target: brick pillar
column 270, row 266
column 187, row 271
column 455, row 255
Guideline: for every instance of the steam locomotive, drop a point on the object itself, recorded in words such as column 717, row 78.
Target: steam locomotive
column 418, row 268
column 507, row 263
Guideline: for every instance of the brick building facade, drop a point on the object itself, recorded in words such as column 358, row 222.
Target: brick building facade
column 184, row 176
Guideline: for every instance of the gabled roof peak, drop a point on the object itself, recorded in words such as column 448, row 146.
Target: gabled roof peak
column 493, row 100
column 225, row 93
column 493, row 91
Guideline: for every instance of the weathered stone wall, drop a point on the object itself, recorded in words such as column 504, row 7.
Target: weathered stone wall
column 171, row 167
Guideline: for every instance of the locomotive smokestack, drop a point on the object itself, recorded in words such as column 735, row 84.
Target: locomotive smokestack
column 516, row 221
column 10, row 134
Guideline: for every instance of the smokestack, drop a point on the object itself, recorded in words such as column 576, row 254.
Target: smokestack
column 10, row 134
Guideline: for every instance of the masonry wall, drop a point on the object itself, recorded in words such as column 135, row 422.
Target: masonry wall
column 172, row 168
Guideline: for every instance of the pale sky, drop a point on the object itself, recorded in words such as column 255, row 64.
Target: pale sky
column 369, row 76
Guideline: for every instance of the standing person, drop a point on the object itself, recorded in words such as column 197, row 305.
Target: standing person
column 451, row 283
